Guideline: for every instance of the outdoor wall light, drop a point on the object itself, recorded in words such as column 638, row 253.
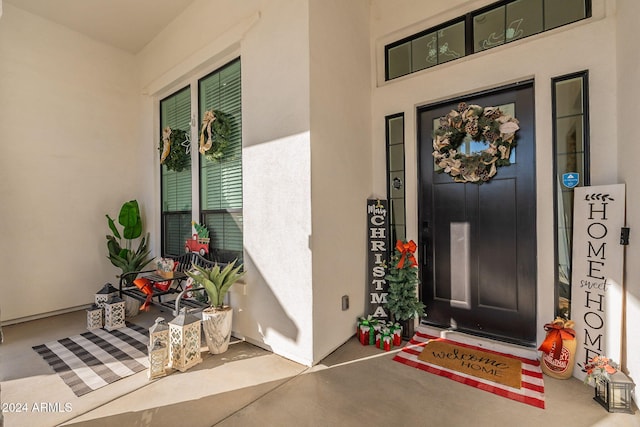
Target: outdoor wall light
column 397, row 183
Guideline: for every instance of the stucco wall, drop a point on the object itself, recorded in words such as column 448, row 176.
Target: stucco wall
column 586, row 45
column 274, row 308
column 68, row 123
column 340, row 165
column 628, row 63
column 278, row 307
column 291, row 174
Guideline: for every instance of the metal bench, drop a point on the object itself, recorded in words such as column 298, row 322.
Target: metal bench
column 185, row 263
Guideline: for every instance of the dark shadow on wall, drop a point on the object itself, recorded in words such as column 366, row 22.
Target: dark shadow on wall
column 266, row 310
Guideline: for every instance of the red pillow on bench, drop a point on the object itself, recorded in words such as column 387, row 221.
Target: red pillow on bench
column 145, row 286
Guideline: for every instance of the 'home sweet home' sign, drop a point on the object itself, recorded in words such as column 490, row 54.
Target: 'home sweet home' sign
column 377, row 255
column 597, row 266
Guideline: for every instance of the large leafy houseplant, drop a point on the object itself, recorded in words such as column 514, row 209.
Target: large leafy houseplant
column 120, row 245
column 402, row 300
column 216, row 320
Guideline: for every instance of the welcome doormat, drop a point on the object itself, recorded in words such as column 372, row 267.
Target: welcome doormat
column 478, row 363
column 91, row 360
column 531, row 387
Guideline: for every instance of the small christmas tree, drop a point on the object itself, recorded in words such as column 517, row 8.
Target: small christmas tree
column 402, row 301
column 203, row 232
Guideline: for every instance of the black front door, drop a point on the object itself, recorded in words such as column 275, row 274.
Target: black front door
column 479, row 241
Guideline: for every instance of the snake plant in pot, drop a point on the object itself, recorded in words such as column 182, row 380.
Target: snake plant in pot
column 216, row 319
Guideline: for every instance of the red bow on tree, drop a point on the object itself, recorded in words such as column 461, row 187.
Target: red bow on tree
column 406, row 250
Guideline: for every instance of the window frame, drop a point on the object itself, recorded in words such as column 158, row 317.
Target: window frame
column 468, row 19
column 196, row 213
column 393, row 225
column 164, row 216
column 203, row 212
column 586, row 179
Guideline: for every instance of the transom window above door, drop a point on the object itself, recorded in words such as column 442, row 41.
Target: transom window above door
column 502, row 22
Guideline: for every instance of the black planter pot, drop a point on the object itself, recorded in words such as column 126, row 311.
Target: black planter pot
column 407, row 329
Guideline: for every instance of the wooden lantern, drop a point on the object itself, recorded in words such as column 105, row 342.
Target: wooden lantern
column 158, row 355
column 95, row 317
column 184, row 341
column 114, row 314
column 159, row 332
column 614, row 393
column 105, row 294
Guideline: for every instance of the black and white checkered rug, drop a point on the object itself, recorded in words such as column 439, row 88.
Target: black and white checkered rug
column 91, row 360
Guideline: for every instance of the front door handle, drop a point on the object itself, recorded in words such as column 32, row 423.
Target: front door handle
column 425, row 238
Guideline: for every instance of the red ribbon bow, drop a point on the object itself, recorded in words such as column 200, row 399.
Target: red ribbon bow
column 406, row 250
column 556, row 332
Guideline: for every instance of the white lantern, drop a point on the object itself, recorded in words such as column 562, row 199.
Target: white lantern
column 114, row 314
column 184, row 337
column 95, row 317
column 105, row 294
column 157, row 360
column 159, row 332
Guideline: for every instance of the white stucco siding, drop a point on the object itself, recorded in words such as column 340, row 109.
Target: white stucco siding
column 586, row 45
column 194, row 40
column 628, row 72
column 274, row 308
column 278, row 307
column 68, row 113
column 340, row 97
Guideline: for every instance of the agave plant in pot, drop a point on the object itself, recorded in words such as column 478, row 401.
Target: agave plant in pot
column 217, row 318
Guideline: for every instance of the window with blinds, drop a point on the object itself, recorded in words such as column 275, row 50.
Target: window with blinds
column 221, row 182
column 175, row 112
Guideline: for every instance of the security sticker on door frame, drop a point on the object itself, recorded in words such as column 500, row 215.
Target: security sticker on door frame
column 570, row 179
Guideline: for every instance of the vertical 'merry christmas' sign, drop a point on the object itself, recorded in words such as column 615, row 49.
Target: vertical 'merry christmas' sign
column 596, row 279
column 377, row 255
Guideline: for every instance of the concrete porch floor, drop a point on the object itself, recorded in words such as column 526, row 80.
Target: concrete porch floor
column 248, row 386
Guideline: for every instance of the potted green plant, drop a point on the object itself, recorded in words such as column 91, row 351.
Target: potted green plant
column 402, row 299
column 217, row 318
column 120, row 246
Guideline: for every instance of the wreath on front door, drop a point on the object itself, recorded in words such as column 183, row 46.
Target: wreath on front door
column 489, row 125
column 175, row 149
